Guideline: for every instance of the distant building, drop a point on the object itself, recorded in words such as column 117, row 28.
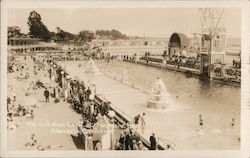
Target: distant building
column 130, row 42
column 178, row 44
column 26, row 44
column 137, row 46
column 15, row 41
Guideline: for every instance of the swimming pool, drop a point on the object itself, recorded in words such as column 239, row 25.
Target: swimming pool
column 218, row 103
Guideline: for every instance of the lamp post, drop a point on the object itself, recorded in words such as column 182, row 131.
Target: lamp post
column 111, row 114
column 53, row 75
column 92, row 106
column 91, row 97
column 94, row 89
column 68, row 77
column 66, row 92
column 62, row 74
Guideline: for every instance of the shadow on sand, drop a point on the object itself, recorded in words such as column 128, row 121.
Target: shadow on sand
column 79, row 141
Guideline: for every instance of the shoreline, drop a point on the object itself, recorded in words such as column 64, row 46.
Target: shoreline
column 183, row 71
column 189, row 72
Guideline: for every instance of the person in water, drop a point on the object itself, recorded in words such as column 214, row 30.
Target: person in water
column 200, row 120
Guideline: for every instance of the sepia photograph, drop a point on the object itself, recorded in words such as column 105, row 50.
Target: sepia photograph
column 124, row 78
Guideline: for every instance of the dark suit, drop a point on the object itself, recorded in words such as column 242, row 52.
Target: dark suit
column 46, row 94
column 152, row 140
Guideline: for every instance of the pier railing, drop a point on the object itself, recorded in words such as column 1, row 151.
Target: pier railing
column 166, row 143
column 123, row 118
column 120, row 113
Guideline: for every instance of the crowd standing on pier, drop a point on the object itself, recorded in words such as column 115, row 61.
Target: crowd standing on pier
column 222, row 72
column 178, row 61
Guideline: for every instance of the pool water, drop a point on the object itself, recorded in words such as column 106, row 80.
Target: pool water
column 216, row 102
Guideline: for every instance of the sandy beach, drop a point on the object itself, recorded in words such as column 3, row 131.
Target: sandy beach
column 53, row 123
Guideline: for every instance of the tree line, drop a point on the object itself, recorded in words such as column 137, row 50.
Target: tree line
column 38, row 29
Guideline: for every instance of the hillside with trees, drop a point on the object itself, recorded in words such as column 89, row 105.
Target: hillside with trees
column 62, row 35
column 14, row 31
column 38, row 29
column 112, row 34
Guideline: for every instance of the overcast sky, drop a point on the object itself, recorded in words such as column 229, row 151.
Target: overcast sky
column 153, row 22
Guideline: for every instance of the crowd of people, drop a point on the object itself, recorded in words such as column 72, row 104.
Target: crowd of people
column 82, row 101
column 129, row 138
column 23, row 109
column 81, row 98
column 175, row 60
column 232, row 73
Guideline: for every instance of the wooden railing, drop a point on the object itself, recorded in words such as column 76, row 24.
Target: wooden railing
column 123, row 117
column 166, row 143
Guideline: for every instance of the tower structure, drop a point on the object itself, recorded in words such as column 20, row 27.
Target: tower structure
column 213, row 38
